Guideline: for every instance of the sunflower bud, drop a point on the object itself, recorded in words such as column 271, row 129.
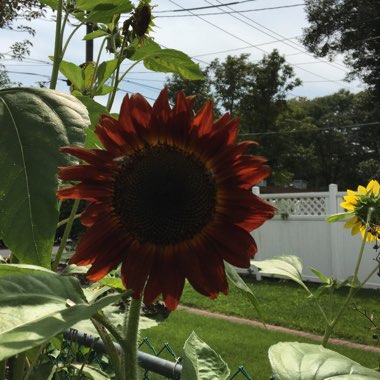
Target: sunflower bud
column 141, row 20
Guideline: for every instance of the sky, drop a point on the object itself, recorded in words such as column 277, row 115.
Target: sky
column 255, row 27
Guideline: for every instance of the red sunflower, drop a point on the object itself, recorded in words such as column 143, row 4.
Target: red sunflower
column 170, row 198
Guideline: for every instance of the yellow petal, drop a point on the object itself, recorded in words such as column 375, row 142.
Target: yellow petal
column 375, row 187
column 351, row 222
column 351, row 199
column 352, row 193
column 362, row 190
column 348, row 206
column 355, row 229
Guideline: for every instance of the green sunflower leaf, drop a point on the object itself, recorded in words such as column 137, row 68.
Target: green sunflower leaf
column 74, row 73
column 102, row 11
column 105, row 70
column 236, row 280
column 53, row 4
column 34, row 124
column 96, row 34
column 101, row 5
column 36, row 307
column 94, row 110
column 320, row 275
column 12, row 269
column 164, row 60
column 286, row 266
column 303, row 361
column 201, row 362
column 336, row 217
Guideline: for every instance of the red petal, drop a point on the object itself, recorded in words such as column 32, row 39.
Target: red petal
column 140, row 110
column 203, row 121
column 152, row 289
column 87, row 191
column 195, row 260
column 95, row 241
column 93, row 212
column 172, row 278
column 107, row 137
column 136, row 266
column 109, row 254
column 236, row 246
column 125, row 116
column 226, row 130
column 160, row 116
column 92, row 156
column 85, row 172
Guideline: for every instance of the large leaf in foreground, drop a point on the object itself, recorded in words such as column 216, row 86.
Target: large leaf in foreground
column 36, row 307
column 201, row 362
column 34, row 124
column 287, row 266
column 303, row 361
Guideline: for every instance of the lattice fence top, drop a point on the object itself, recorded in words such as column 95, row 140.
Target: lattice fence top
column 300, row 206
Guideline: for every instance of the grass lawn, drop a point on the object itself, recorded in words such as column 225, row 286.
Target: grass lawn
column 286, row 304
column 237, row 344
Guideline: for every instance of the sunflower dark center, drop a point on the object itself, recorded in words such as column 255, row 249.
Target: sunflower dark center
column 164, row 195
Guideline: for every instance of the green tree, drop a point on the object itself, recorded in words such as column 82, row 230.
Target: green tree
column 265, row 100
column 231, row 80
column 11, row 9
column 344, row 137
column 200, row 88
column 349, row 27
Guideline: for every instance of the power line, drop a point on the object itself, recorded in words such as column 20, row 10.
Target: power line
column 248, row 43
column 208, row 7
column 279, row 35
column 242, row 48
column 349, row 126
column 231, row 12
column 286, row 43
column 128, row 92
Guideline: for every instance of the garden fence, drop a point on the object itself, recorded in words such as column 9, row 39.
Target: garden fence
column 299, row 228
column 152, row 362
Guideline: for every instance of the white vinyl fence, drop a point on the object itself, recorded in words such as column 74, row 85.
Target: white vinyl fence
column 300, row 229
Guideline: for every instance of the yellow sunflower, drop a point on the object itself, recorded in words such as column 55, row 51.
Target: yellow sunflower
column 359, row 203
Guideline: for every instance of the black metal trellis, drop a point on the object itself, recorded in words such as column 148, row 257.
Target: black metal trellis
column 171, row 370
column 149, row 362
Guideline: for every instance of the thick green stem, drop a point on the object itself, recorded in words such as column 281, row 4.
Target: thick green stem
column 3, row 367
column 131, row 328
column 96, row 67
column 69, row 39
column 353, row 289
column 66, row 234
column 19, row 366
column 111, row 350
column 64, row 221
column 57, row 46
column 103, row 320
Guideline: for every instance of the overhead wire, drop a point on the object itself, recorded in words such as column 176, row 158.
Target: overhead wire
column 231, row 12
column 292, row 44
column 207, row 7
column 248, row 43
column 348, row 126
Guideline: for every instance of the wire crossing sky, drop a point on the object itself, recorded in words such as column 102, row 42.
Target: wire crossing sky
column 203, row 29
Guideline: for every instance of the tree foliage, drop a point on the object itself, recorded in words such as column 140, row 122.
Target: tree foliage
column 349, row 27
column 11, row 9
column 200, row 88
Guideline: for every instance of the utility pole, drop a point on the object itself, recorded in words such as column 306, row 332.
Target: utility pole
column 89, row 44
